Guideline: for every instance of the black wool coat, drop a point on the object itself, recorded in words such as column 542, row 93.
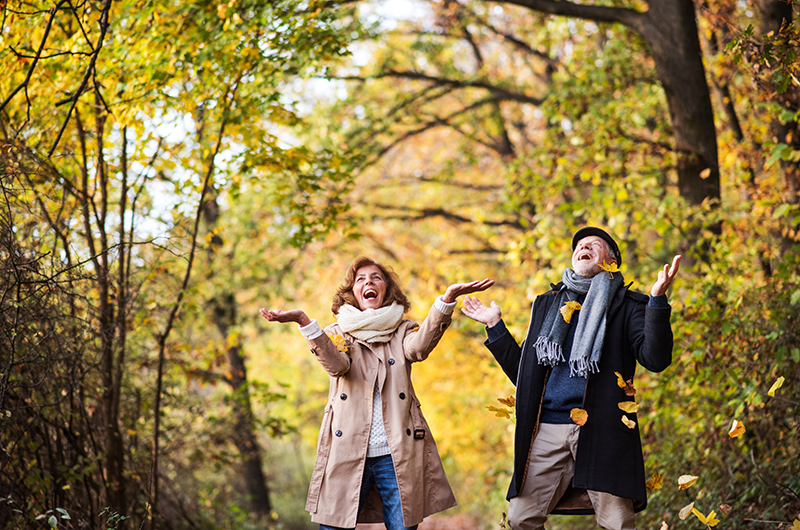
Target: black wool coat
column 609, row 455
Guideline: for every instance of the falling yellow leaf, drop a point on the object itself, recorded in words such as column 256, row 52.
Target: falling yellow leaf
column 737, row 429
column 710, row 520
column 415, row 329
column 568, row 308
column 630, row 390
column 628, row 422
column 685, row 511
column 705, row 173
column 684, row 481
column 796, row 524
column 339, row 342
column 628, row 406
column 500, row 413
column 508, row 402
column 609, row 268
column 579, row 416
column 775, row 386
column 655, row 483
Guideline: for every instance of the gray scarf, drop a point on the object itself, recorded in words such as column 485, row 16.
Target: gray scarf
column 587, row 346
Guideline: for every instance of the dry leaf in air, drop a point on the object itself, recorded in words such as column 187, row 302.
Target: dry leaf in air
column 568, row 309
column 664, row 526
column 775, row 386
column 710, row 520
column 685, row 511
column 725, row 508
column 628, row 422
column 628, row 406
column 579, row 416
column 655, row 483
column 684, row 481
column 339, row 342
column 737, row 429
column 609, row 268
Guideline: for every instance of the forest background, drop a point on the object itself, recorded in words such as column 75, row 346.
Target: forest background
column 167, row 168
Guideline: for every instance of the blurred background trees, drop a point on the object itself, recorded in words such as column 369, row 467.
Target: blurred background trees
column 169, row 168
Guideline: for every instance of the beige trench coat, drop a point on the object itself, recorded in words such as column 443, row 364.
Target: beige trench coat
column 344, row 434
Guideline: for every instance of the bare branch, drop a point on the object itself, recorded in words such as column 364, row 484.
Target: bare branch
column 53, row 11
column 628, row 17
column 89, row 71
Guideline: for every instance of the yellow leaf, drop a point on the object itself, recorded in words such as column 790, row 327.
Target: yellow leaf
column 628, row 422
column 339, row 342
column 579, row 416
column 710, row 520
column 737, row 429
column 684, row 481
column 415, row 329
column 654, row 483
column 628, row 406
column 568, row 308
column 705, row 173
column 796, row 524
column 500, row 413
column 685, row 511
column 620, row 380
column 775, row 386
column 610, row 268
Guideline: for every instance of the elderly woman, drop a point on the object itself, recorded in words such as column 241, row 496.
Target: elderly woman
column 376, row 458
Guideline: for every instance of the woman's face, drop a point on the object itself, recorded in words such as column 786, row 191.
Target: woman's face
column 369, row 287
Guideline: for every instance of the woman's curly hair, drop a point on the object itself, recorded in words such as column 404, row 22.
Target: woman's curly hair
column 344, row 293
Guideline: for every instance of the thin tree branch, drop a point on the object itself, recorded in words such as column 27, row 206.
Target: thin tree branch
column 24, row 85
column 89, row 71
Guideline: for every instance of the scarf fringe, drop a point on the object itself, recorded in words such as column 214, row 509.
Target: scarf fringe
column 583, row 367
column 549, row 353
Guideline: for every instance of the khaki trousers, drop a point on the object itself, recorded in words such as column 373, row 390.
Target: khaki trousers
column 550, row 471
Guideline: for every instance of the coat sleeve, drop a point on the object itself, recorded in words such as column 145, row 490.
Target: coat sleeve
column 651, row 335
column 507, row 351
column 419, row 341
column 333, row 360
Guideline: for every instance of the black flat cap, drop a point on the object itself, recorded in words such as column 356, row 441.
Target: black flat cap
column 587, row 231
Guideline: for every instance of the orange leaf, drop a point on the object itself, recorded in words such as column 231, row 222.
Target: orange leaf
column 579, row 416
column 655, row 483
column 508, row 402
column 737, row 429
column 620, row 380
column 628, row 422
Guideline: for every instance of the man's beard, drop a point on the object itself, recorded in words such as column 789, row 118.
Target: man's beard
column 586, row 269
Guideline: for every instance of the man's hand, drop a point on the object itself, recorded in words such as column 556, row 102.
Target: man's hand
column 665, row 277
column 457, row 289
column 475, row 310
column 294, row 315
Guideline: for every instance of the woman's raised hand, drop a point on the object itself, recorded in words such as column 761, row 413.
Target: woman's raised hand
column 293, row 315
column 457, row 289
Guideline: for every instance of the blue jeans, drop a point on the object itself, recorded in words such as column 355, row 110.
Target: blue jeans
column 380, row 471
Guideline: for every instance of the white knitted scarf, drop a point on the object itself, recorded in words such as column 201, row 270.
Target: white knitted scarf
column 371, row 325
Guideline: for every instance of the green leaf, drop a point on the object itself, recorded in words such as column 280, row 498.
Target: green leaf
column 779, row 152
column 781, row 210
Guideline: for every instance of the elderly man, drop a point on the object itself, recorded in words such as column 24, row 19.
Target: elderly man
column 586, row 330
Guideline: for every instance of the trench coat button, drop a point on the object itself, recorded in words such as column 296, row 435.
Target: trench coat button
column 402, row 395
column 338, row 433
column 343, row 396
column 408, row 432
column 391, row 361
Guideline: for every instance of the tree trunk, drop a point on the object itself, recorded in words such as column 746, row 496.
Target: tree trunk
column 225, row 313
column 670, row 28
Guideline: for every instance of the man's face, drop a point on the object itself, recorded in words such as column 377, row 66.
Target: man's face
column 589, row 253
